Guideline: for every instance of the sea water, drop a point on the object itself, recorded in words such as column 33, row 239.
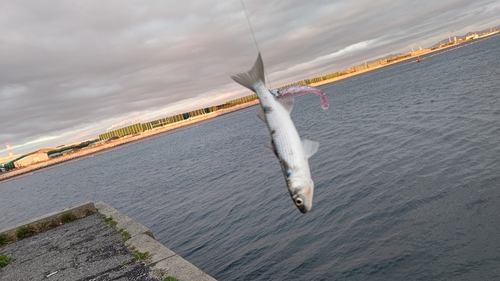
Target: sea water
column 407, row 181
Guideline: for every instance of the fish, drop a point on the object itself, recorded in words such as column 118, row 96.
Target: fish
column 292, row 151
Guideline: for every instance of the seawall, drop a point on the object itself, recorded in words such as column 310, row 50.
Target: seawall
column 90, row 242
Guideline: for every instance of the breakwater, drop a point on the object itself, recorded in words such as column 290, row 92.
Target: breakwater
column 90, row 241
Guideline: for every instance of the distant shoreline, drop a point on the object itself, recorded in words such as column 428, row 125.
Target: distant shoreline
column 102, row 148
column 413, row 55
column 108, row 146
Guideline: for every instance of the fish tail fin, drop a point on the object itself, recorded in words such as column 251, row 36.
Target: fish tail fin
column 253, row 76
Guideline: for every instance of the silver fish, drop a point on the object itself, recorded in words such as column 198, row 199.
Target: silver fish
column 292, row 152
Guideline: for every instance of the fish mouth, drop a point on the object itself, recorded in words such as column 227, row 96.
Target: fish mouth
column 302, row 209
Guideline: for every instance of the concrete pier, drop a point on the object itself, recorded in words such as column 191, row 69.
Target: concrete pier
column 90, row 242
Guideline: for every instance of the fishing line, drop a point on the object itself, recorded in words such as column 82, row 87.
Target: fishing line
column 254, row 40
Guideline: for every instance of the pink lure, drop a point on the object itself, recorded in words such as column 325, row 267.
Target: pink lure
column 300, row 90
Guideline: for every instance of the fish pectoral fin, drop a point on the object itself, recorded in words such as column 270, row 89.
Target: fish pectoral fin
column 287, row 104
column 271, row 146
column 310, row 147
column 262, row 115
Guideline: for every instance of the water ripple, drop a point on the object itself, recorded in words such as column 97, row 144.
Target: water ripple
column 406, row 181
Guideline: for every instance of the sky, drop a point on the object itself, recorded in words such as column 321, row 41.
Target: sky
column 71, row 70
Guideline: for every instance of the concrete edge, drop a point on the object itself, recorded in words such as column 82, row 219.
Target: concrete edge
column 51, row 220
column 163, row 261
column 122, row 221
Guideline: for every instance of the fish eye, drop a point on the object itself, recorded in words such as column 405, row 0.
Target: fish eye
column 299, row 201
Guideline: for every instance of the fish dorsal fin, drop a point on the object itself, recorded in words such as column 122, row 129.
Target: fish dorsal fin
column 310, row 147
column 287, row 104
column 271, row 146
column 262, row 115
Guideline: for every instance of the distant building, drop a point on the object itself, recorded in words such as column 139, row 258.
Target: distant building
column 473, row 36
column 7, row 163
column 54, row 155
column 31, row 159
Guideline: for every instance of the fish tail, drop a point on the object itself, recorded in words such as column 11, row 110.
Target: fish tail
column 250, row 78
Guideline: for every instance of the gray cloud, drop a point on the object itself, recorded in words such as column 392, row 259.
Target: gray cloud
column 83, row 66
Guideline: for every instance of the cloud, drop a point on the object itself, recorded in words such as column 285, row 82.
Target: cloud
column 82, row 66
column 127, row 122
